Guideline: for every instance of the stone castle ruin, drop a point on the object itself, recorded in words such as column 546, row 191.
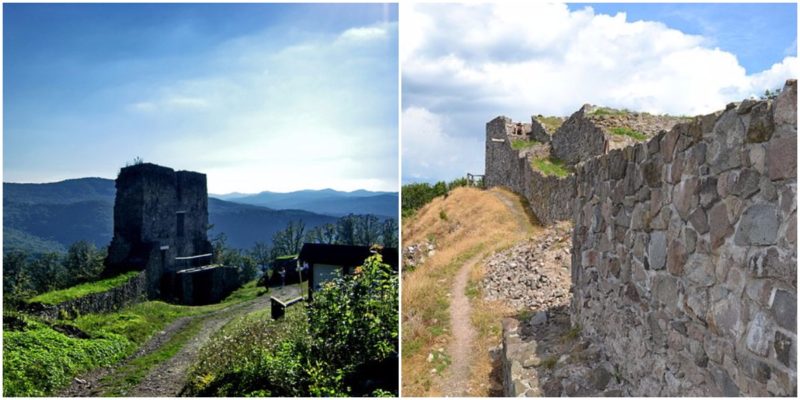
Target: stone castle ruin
column 160, row 227
column 684, row 241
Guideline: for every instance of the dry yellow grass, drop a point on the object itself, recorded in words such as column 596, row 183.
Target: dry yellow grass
column 468, row 223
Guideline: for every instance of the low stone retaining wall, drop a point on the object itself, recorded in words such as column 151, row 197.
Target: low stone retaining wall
column 130, row 292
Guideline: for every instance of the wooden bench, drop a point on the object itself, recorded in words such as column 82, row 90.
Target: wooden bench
column 279, row 307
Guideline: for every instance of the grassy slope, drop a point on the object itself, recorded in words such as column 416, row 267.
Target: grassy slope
column 39, row 360
column 477, row 223
column 84, row 289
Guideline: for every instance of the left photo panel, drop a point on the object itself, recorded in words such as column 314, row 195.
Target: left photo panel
column 200, row 200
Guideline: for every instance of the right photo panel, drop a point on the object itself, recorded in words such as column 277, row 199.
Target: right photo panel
column 599, row 199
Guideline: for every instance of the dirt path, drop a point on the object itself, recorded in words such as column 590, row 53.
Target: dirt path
column 461, row 348
column 168, row 378
column 524, row 222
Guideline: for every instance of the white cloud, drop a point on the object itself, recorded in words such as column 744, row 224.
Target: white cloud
column 364, row 33
column 470, row 63
column 315, row 113
column 427, row 148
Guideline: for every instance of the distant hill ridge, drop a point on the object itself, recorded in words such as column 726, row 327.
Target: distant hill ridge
column 324, row 201
column 42, row 217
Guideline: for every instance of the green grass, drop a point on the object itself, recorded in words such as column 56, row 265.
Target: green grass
column 550, row 362
column 572, row 334
column 550, row 166
column 84, row 289
column 625, row 131
column 609, row 111
column 38, row 360
column 241, row 344
column 519, row 144
column 550, row 123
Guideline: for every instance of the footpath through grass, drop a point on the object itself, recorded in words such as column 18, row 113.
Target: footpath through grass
column 38, row 359
column 477, row 223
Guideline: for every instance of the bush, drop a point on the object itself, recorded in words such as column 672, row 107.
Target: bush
column 416, row 195
column 343, row 340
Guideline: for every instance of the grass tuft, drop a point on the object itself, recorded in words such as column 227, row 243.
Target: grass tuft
column 550, row 166
column 519, row 144
column 600, row 111
column 625, row 131
column 84, row 289
column 550, row 123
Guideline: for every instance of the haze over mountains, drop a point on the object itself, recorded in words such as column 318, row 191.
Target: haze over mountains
column 51, row 216
column 325, row 201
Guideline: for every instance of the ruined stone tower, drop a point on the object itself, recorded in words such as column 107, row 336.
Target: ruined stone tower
column 160, row 226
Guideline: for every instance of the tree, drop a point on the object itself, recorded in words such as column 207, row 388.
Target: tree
column 346, row 230
column 368, row 230
column 247, row 268
column 84, row 263
column 389, row 233
column 48, row 273
column 289, row 240
column 219, row 244
column 261, row 254
column 326, row 234
column 17, row 284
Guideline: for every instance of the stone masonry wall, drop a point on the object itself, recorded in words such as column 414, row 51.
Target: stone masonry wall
column 684, row 257
column 132, row 291
column 549, row 197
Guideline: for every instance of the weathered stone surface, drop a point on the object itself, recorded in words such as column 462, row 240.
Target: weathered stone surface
column 651, row 172
column 684, row 197
column 726, row 317
column 784, row 348
column 719, row 225
column 599, row 378
column 758, row 226
column 761, row 125
column 699, row 221
column 785, row 107
column 700, row 270
column 759, row 333
column 724, row 382
column 676, row 257
column 657, row 250
column 781, row 156
column 784, row 306
column 747, row 183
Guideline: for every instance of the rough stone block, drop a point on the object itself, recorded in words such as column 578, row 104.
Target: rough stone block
column 785, row 350
column 759, row 333
column 676, row 257
column 685, row 196
column 657, row 250
column 761, row 123
column 785, row 107
column 784, row 307
column 747, row 183
column 758, row 226
column 699, row 221
column 781, row 156
column 719, row 225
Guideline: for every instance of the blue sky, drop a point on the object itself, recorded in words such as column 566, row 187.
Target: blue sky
column 758, row 34
column 258, row 96
column 463, row 65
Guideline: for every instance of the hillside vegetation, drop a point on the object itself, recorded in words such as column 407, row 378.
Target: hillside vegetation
column 41, row 357
column 465, row 224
